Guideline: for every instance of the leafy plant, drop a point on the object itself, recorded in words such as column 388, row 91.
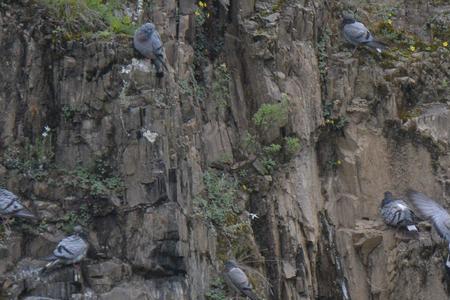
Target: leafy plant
column 32, row 159
column 218, row 205
column 271, row 114
column 97, row 180
column 250, row 143
column 336, row 124
column 322, row 44
column 84, row 17
column 272, row 149
column 68, row 113
column 72, row 219
column 217, row 291
column 292, row 145
column 220, row 85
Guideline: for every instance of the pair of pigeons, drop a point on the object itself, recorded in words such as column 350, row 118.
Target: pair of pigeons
column 70, row 250
column 148, row 41
column 396, row 212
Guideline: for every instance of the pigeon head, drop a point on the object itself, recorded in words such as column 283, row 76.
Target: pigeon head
column 78, row 230
column 387, row 198
column 388, row 195
column 229, row 264
column 148, row 28
column 348, row 20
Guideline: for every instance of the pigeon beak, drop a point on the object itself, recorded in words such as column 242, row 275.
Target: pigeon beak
column 24, row 213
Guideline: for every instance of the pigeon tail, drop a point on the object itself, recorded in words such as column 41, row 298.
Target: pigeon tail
column 24, row 213
column 379, row 46
column 412, row 228
column 49, row 258
column 161, row 60
column 49, row 266
column 250, row 294
column 447, row 264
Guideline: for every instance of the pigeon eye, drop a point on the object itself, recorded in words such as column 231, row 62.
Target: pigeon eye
column 15, row 206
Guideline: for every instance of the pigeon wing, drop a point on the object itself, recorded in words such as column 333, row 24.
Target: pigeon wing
column 357, row 32
column 433, row 211
column 70, row 247
column 239, row 279
column 156, row 44
column 10, row 204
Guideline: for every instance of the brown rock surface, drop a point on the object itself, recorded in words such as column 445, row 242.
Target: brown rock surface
column 126, row 153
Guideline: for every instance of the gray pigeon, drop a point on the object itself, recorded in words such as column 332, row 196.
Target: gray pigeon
column 357, row 34
column 148, row 42
column 10, row 206
column 395, row 212
column 432, row 211
column 70, row 250
column 237, row 280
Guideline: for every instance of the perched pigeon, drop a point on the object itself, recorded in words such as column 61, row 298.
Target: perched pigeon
column 10, row 206
column 440, row 218
column 357, row 34
column 70, row 250
column 148, row 42
column 237, row 279
column 395, row 212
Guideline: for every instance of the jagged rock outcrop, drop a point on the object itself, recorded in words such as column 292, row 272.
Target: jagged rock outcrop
column 126, row 153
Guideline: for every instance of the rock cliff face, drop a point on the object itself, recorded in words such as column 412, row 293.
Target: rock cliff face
column 150, row 166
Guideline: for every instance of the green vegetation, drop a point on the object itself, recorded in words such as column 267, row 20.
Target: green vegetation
column 68, row 113
column 34, row 159
column 272, row 149
column 97, row 181
column 278, row 5
column 438, row 24
column 217, row 291
column 251, row 143
column 272, row 114
column 402, row 43
column 322, row 44
column 201, row 43
column 220, row 85
column 191, row 88
column 269, row 164
column 333, row 164
column 81, row 217
column 218, row 206
column 333, row 123
column 5, row 230
column 292, row 145
column 274, row 154
column 81, row 18
column 336, row 124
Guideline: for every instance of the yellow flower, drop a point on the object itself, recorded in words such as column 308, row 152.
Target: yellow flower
column 389, row 22
column 338, row 162
column 208, row 15
column 445, row 44
column 412, row 48
column 202, row 4
column 197, row 13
